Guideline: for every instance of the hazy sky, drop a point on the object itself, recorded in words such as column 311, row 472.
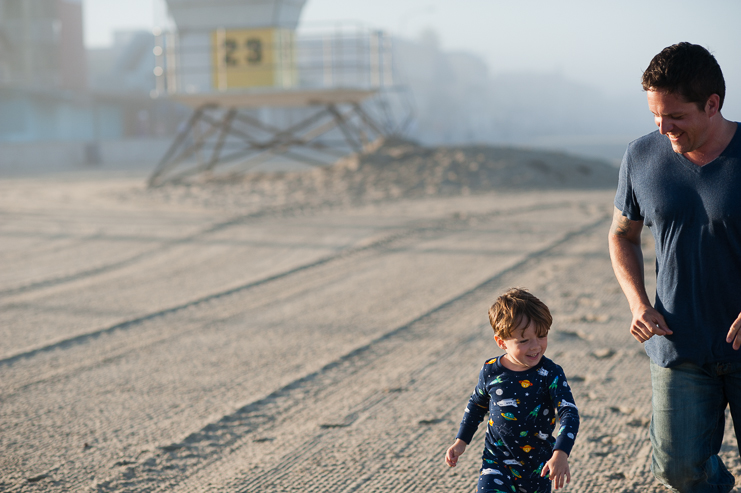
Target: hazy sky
column 600, row 43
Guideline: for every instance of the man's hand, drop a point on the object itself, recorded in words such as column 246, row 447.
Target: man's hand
column 455, row 451
column 734, row 335
column 557, row 469
column 624, row 240
column 647, row 322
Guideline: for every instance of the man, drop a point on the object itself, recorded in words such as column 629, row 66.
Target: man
column 684, row 182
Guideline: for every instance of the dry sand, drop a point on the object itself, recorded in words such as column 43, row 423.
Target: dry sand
column 272, row 335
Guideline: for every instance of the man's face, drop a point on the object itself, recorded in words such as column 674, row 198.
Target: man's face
column 686, row 126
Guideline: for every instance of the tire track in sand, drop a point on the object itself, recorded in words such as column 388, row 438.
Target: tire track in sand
column 163, row 247
column 166, row 245
column 420, row 228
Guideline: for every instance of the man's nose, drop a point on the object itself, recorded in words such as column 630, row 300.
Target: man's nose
column 664, row 126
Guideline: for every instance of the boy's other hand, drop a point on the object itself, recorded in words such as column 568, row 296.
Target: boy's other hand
column 557, row 469
column 455, row 451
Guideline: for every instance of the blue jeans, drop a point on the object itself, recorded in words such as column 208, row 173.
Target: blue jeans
column 689, row 403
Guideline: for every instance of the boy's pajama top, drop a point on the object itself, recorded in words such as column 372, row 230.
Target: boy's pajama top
column 522, row 407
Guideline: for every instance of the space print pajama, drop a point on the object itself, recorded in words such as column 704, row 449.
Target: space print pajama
column 523, row 408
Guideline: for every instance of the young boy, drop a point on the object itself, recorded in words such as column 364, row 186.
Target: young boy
column 521, row 390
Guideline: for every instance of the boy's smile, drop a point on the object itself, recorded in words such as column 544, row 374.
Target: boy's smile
column 524, row 350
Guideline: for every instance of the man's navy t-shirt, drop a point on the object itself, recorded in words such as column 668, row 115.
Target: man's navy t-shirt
column 694, row 213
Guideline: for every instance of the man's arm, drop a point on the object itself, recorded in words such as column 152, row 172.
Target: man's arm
column 627, row 261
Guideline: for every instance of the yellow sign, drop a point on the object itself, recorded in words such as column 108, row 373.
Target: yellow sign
column 253, row 58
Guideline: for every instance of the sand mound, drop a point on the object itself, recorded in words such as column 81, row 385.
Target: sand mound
column 395, row 168
column 450, row 170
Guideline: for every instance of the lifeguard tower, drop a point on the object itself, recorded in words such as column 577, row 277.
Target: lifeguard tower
column 260, row 90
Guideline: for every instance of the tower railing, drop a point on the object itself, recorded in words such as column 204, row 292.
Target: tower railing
column 310, row 96
column 222, row 60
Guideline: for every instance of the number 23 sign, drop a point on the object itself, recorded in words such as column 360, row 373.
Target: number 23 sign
column 244, row 58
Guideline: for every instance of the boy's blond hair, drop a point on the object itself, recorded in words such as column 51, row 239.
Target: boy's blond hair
column 515, row 309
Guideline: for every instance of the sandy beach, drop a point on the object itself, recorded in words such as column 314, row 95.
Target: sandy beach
column 303, row 333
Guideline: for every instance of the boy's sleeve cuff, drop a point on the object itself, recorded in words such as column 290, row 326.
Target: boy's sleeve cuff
column 564, row 446
column 465, row 435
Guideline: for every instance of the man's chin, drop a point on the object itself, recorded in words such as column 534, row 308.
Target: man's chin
column 678, row 148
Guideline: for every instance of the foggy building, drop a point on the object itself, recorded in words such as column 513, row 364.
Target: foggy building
column 48, row 91
column 42, row 44
column 126, row 66
column 43, row 71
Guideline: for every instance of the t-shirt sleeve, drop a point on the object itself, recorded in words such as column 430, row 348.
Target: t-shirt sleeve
column 625, row 198
column 476, row 409
column 568, row 414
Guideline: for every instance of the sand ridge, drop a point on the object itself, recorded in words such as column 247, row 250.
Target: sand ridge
column 392, row 168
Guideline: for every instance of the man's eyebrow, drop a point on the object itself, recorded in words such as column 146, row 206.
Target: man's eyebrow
column 680, row 113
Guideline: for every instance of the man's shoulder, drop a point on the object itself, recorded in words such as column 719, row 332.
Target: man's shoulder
column 733, row 149
column 648, row 144
column 646, row 157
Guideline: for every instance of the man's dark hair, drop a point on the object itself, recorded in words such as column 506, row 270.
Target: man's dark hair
column 687, row 70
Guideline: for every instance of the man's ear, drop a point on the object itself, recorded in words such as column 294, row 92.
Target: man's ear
column 500, row 342
column 712, row 105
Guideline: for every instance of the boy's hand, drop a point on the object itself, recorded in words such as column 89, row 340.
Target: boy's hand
column 558, row 469
column 455, row 451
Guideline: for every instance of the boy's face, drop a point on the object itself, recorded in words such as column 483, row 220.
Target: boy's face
column 524, row 348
